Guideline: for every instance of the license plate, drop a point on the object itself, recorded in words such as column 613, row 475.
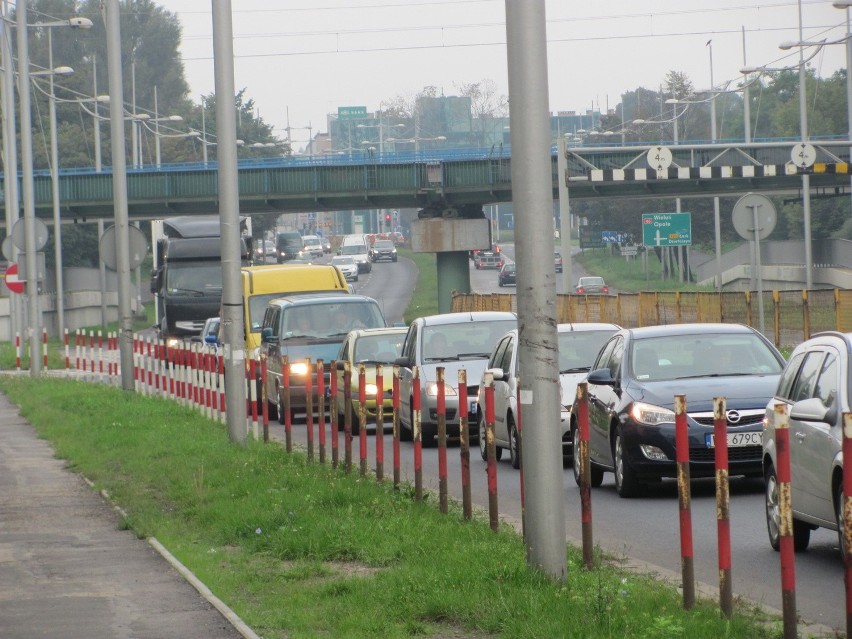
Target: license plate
column 737, row 440
column 472, row 410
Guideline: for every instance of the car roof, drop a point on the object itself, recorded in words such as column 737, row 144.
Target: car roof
column 390, row 330
column 332, row 297
column 686, row 329
column 825, row 338
column 466, row 316
column 570, row 327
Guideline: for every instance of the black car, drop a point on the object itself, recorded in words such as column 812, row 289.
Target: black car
column 506, row 274
column 383, row 250
column 631, row 400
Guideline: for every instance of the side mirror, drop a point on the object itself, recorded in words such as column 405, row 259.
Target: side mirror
column 266, row 335
column 211, row 339
column 601, row 377
column 499, row 375
column 402, row 362
column 156, row 280
column 811, row 410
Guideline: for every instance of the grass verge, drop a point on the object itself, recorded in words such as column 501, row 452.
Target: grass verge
column 304, row 550
column 629, row 275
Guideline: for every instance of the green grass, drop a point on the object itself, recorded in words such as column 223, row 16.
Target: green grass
column 424, row 300
column 629, row 276
column 302, row 550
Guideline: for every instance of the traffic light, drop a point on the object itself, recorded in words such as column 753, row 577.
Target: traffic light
column 387, row 219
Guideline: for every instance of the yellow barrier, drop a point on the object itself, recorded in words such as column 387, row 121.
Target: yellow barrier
column 790, row 317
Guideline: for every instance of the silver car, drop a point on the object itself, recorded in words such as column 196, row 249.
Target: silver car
column 455, row 341
column 347, row 266
column 815, row 389
column 579, row 344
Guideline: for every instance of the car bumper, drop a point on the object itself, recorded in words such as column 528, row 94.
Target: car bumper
column 645, row 443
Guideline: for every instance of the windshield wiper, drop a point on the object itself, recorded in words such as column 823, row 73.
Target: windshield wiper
column 715, row 375
column 460, row 355
column 191, row 291
column 446, row 358
column 576, row 369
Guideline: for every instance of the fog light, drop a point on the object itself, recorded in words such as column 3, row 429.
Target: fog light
column 653, row 453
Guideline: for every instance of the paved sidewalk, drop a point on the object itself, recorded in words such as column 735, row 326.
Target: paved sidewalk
column 67, row 571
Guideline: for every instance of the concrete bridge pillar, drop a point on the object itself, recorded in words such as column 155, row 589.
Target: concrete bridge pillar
column 450, row 239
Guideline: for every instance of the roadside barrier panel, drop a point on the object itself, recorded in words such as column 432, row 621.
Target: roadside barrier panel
column 417, row 434
column 287, row 414
column 380, row 424
column 321, row 411
column 785, row 520
column 362, row 418
column 44, row 348
column 264, row 404
column 684, row 494
column 442, row 440
column 395, row 418
column 18, row 351
column 347, row 416
column 491, row 453
column 309, row 406
column 723, row 505
column 335, row 427
column 582, row 458
column 464, row 446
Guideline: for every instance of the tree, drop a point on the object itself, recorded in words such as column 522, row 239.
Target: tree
column 487, row 106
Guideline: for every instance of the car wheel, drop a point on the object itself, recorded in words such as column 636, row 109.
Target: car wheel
column 514, row 444
column 626, row 484
column 356, row 421
column 801, row 531
column 500, row 283
column 281, row 406
column 356, row 278
column 838, row 515
column 271, row 409
column 407, row 434
column 483, row 443
column 596, row 476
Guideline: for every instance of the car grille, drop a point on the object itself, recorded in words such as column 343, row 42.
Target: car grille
column 743, row 453
column 748, row 417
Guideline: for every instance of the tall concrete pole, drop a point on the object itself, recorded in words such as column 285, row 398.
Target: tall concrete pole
column 532, row 186
column 11, row 197
column 229, row 216
column 54, row 189
column 806, row 178
column 717, row 219
column 34, row 328
column 119, row 188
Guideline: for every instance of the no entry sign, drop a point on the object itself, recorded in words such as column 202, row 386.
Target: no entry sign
column 12, row 282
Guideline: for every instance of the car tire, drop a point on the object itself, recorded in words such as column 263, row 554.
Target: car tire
column 407, row 434
column 280, row 412
column 838, row 515
column 483, row 442
column 514, row 443
column 356, row 421
column 626, row 484
column 356, row 278
column 500, row 283
column 596, row 476
column 801, row 531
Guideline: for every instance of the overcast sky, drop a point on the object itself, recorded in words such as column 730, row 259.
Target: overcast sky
column 308, row 57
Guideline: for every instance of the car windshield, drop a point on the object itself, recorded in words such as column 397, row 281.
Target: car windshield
column 381, row 348
column 705, row 355
column 194, row 278
column 383, row 244
column 353, row 249
column 325, row 319
column 591, row 281
column 463, row 340
column 578, row 349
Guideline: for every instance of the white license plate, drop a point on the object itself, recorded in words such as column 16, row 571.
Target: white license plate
column 472, row 410
column 737, row 440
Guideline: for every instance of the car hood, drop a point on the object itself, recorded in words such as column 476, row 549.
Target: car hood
column 474, row 368
column 739, row 392
column 326, row 351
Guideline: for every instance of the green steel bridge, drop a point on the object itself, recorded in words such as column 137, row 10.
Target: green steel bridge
column 446, row 184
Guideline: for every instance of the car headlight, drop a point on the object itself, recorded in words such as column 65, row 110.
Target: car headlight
column 650, row 414
column 432, row 389
column 298, row 368
column 370, row 389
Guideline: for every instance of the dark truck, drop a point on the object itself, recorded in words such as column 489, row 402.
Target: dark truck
column 187, row 277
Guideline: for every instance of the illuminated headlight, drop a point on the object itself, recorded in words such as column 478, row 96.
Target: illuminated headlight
column 432, row 389
column 172, row 342
column 650, row 414
column 299, row 368
column 370, row 389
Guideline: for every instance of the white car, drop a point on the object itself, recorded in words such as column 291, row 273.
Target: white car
column 347, row 266
column 579, row 344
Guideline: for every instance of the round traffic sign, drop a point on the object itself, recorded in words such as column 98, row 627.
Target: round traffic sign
column 12, row 282
column 754, row 212
column 803, row 155
column 659, row 158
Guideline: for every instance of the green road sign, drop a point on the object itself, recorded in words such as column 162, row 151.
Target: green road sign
column 667, row 229
column 351, row 112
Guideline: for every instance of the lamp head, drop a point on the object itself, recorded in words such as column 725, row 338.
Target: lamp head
column 79, row 22
column 749, row 70
column 841, row 4
column 787, row 45
column 175, row 118
column 63, row 71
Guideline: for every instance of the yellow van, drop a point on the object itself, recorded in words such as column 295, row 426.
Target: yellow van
column 260, row 284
